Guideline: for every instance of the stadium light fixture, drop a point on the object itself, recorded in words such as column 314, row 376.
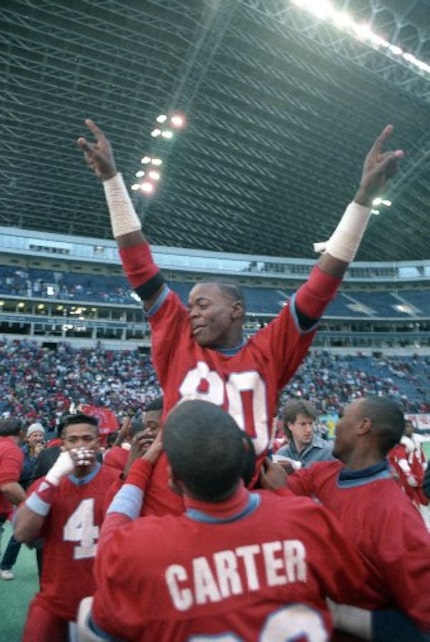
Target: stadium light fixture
column 154, row 175
column 156, row 161
column 161, row 119
column 155, row 132
column 178, row 121
column 167, row 134
column 145, row 160
column 147, row 187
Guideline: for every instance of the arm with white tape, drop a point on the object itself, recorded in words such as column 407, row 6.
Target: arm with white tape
column 342, row 246
column 32, row 513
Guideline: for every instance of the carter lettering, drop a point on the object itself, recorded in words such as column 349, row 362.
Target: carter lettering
column 234, row 572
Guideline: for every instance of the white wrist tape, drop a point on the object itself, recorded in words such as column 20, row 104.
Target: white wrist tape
column 123, row 216
column 351, row 619
column 62, row 467
column 85, row 634
column 345, row 240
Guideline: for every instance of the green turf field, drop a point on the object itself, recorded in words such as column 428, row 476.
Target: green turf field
column 15, row 595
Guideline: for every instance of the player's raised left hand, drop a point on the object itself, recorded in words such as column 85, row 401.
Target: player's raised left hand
column 378, row 168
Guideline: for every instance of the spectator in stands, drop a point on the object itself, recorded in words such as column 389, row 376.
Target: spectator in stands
column 304, row 446
column 33, row 445
column 11, row 462
column 66, row 507
column 236, row 565
column 201, row 351
column 376, row 516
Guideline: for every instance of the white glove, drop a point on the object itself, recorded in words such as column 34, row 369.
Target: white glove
column 62, row 467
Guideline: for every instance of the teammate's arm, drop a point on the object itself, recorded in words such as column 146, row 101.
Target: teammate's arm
column 13, row 492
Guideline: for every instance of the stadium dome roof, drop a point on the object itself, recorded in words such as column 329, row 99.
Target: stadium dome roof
column 281, row 109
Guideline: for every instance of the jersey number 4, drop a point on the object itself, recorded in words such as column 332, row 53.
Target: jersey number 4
column 80, row 528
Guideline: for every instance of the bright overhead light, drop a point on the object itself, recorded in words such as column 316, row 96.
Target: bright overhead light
column 135, row 187
column 161, row 119
column 156, row 161
column 166, row 133
column 154, row 175
column 147, row 187
column 325, row 10
column 178, row 121
column 140, row 173
column 145, row 160
column 155, row 132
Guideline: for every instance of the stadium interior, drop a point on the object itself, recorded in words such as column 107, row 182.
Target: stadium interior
column 240, row 127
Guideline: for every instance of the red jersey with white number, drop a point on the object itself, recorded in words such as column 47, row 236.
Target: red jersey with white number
column 245, row 384
column 257, row 567
column 71, row 531
column 384, row 526
column 409, row 464
column 11, row 462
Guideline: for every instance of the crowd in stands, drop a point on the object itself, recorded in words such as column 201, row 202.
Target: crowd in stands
column 65, row 286
column 330, row 381
column 38, row 383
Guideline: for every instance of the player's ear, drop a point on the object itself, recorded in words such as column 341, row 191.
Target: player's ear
column 364, row 426
column 237, row 310
column 174, row 482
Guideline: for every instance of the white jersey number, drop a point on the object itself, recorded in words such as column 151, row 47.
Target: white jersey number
column 294, row 623
column 80, row 528
column 244, row 392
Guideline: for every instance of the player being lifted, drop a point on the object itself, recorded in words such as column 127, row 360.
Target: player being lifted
column 200, row 351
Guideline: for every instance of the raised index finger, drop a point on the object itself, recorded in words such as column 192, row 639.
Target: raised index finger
column 383, row 136
column 94, row 129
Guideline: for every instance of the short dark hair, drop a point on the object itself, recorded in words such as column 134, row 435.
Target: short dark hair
column 79, row 418
column 231, row 290
column 388, row 421
column 10, row 426
column 205, row 448
column 154, row 404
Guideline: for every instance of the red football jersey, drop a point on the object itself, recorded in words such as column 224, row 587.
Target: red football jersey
column 246, row 384
column 71, row 531
column 11, row 462
column 384, row 526
column 408, row 462
column 116, row 457
column 257, row 567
